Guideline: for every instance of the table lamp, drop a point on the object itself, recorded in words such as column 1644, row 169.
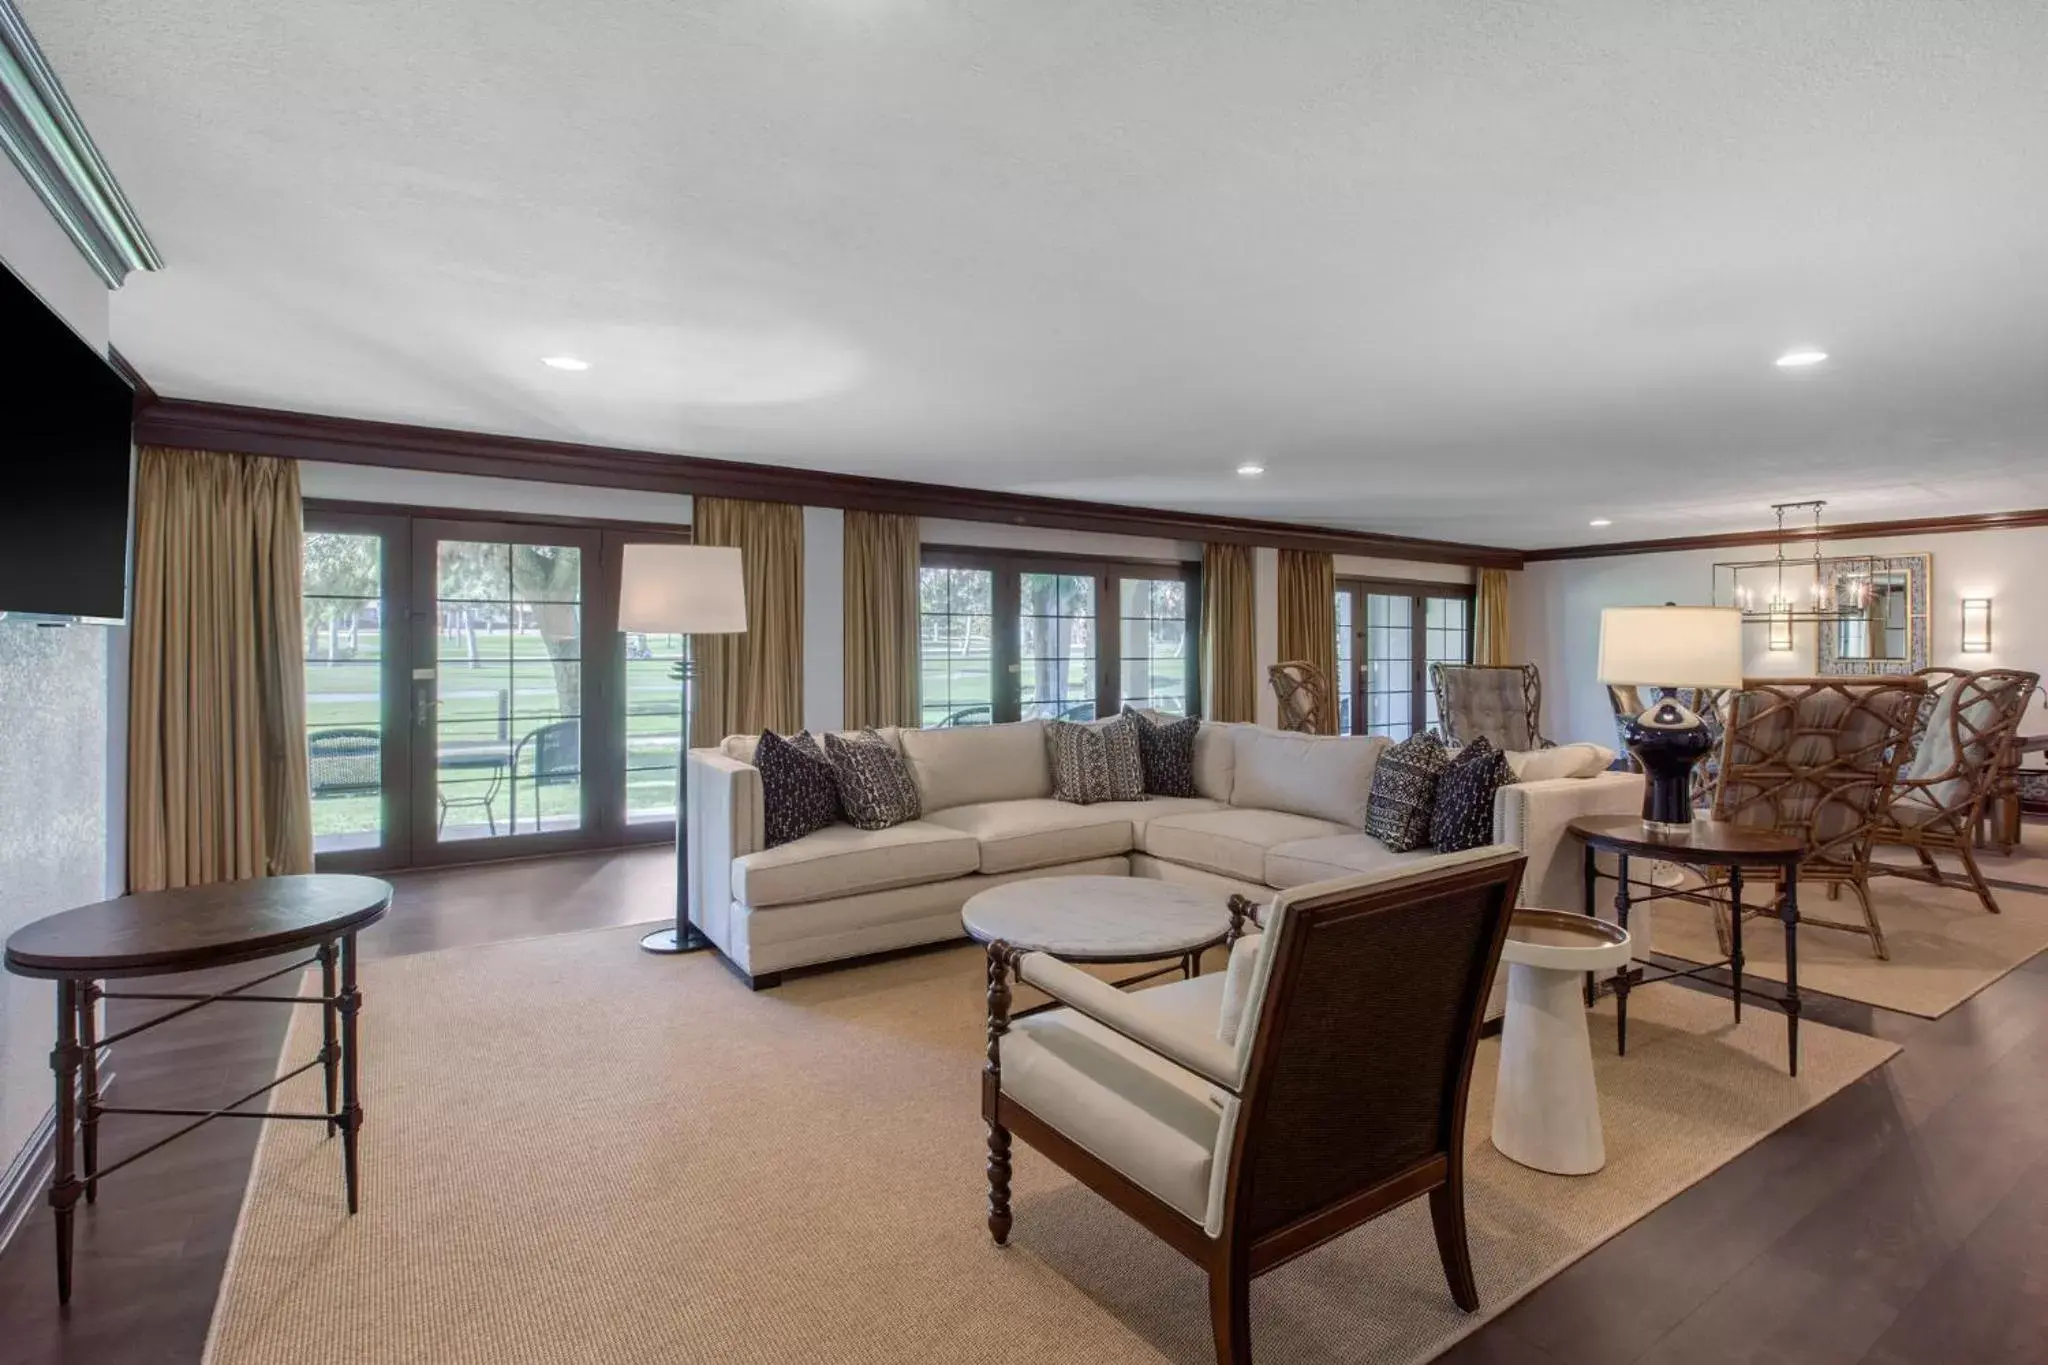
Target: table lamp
column 681, row 590
column 1670, row 647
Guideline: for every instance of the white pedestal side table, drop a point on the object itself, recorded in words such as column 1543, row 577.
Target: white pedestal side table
column 1546, row 1113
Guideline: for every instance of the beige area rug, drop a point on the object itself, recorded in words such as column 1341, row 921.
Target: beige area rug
column 577, row 1152
column 1945, row 947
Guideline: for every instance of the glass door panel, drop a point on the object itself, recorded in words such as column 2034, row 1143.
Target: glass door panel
column 956, row 646
column 343, row 590
column 1389, row 665
column 1056, row 646
column 657, row 718
column 1347, row 663
column 1446, row 640
column 1153, row 623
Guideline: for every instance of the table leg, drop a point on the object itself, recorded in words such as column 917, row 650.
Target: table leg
column 65, row 1186
column 1621, row 978
column 1789, row 911
column 1735, row 935
column 330, row 1056
column 89, row 1084
column 351, row 1119
column 1592, row 875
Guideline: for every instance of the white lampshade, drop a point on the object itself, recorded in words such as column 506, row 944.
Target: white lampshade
column 1671, row 646
column 682, row 590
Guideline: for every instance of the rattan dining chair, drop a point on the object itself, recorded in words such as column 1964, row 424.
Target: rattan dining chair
column 1304, row 695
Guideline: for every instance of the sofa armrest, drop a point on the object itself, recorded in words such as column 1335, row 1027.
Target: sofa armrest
column 1205, row 1055
column 726, row 822
column 1532, row 817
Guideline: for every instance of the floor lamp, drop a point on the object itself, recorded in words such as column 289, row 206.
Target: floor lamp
column 681, row 590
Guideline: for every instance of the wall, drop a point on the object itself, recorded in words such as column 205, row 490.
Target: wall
column 1556, row 606
column 421, row 488
column 62, row 767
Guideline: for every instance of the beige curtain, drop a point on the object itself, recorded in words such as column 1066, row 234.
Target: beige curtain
column 881, row 619
column 1230, row 666
column 1308, row 617
column 217, row 784
column 1490, row 644
column 753, row 682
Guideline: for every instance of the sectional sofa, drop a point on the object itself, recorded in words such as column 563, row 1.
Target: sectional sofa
column 1276, row 810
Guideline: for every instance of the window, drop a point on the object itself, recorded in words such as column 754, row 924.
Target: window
column 1388, row 634
column 343, row 590
column 1003, row 637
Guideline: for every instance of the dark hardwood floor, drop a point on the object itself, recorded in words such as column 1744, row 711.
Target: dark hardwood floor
column 1904, row 1222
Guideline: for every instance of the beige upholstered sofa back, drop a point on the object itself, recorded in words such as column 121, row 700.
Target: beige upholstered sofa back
column 1327, row 777
column 966, row 765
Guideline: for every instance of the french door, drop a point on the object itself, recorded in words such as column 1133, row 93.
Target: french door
column 468, row 694
column 1388, row 634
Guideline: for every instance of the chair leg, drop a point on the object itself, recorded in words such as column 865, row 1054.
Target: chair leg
column 999, row 1184
column 1861, row 886
column 1230, row 1313
column 1976, row 875
column 1447, row 1212
column 1933, row 868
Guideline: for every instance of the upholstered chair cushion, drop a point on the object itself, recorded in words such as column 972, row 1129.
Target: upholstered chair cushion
column 799, row 790
column 1463, row 817
column 1237, row 985
column 1167, row 750
column 1493, row 702
column 1098, row 762
column 874, row 782
column 1404, row 792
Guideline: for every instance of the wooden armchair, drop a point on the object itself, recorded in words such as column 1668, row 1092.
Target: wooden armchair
column 1249, row 1116
column 1816, row 758
column 1963, row 726
column 1503, row 703
column 1304, row 695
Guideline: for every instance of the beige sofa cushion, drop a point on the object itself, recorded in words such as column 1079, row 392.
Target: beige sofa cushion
column 1232, row 843
column 1014, row 835
column 1328, row 777
column 1343, row 855
column 840, row 860
column 742, row 747
column 965, row 765
column 1143, row 813
column 1216, row 758
column 1563, row 760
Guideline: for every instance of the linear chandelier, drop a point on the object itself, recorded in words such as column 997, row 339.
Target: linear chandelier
column 1781, row 590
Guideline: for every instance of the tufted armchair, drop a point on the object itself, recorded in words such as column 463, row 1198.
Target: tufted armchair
column 1503, row 703
column 1248, row 1116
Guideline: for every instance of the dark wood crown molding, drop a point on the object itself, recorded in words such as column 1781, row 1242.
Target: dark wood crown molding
column 1855, row 530
column 145, row 396
column 308, row 436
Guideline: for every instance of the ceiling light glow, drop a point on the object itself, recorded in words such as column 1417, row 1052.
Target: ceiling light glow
column 564, row 362
column 1250, row 469
column 1801, row 358
column 1600, row 521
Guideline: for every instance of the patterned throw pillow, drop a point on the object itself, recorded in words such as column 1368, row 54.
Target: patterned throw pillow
column 1167, row 751
column 1097, row 762
column 1464, row 797
column 1404, row 792
column 874, row 783
column 799, row 790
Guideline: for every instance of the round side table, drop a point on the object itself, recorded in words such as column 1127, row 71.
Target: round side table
column 1546, row 1112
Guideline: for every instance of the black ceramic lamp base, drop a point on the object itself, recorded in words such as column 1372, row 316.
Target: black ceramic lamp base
column 1668, row 739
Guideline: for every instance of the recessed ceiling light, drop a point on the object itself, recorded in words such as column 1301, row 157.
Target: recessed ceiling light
column 564, row 362
column 1600, row 521
column 1800, row 359
column 1250, row 469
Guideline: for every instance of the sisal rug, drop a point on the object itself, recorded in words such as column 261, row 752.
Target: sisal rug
column 579, row 1152
column 1945, row 946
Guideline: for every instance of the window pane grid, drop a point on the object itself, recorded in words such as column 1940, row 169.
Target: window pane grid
column 1154, row 627
column 343, row 579
column 956, row 646
column 1056, row 648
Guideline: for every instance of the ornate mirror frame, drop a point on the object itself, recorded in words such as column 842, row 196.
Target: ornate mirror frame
column 1919, row 571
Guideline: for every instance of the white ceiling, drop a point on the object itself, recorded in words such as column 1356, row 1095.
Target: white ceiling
column 1454, row 268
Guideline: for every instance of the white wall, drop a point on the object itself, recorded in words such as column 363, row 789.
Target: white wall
column 467, row 493
column 1556, row 608
column 1365, row 566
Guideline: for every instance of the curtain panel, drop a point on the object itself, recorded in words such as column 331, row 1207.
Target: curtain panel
column 1230, row 666
column 753, row 682
column 1308, row 617
column 881, row 619
column 217, row 787
column 1490, row 642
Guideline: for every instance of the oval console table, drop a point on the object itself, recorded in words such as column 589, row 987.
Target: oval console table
column 163, row 933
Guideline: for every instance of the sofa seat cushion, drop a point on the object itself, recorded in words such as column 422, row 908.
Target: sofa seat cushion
column 1130, row 1107
column 1233, row 842
column 1015, row 835
column 1143, row 813
column 1344, row 855
column 843, row 861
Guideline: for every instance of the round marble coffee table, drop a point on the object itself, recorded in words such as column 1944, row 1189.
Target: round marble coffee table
column 1546, row 1113
column 1100, row 919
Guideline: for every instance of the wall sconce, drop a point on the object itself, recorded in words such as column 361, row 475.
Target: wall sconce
column 1780, row 639
column 1976, row 625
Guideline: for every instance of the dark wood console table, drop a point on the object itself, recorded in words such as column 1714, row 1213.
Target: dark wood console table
column 1707, row 844
column 163, row 933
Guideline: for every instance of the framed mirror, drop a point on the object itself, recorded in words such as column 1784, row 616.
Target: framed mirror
column 1891, row 635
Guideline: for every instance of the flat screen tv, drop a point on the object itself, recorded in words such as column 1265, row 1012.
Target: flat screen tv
column 67, row 430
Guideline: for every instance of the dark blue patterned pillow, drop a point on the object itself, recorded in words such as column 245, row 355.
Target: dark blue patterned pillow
column 1463, row 817
column 1167, row 750
column 799, row 790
